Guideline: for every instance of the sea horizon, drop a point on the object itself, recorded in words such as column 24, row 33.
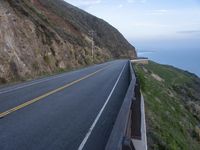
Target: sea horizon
column 187, row 60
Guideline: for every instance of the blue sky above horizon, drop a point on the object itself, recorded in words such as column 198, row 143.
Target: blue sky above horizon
column 150, row 24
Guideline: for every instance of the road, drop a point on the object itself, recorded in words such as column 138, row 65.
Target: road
column 70, row 111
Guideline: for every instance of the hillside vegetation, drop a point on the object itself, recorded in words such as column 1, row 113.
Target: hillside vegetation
column 47, row 36
column 172, row 98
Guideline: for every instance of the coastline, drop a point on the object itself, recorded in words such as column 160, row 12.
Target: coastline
column 183, row 59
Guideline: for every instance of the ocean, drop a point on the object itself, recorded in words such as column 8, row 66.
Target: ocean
column 184, row 59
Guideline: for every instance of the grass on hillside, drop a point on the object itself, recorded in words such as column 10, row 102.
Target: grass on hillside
column 170, row 125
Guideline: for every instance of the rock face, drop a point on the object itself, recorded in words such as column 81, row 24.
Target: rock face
column 40, row 36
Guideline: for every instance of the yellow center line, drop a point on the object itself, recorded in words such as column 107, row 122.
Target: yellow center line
column 5, row 113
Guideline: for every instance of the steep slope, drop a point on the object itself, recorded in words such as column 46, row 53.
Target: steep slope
column 172, row 98
column 40, row 36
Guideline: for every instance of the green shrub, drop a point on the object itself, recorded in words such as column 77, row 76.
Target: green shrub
column 3, row 80
column 47, row 59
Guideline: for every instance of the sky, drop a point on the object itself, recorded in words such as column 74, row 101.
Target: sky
column 150, row 24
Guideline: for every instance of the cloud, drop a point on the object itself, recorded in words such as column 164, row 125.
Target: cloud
column 84, row 2
column 159, row 12
column 150, row 25
column 143, row 1
column 130, row 1
column 189, row 32
column 120, row 6
column 136, row 1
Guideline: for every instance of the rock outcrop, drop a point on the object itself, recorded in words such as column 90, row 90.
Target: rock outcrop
column 39, row 36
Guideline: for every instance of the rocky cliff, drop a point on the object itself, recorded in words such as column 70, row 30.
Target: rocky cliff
column 46, row 36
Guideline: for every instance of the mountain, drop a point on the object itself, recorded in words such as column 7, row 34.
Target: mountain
column 172, row 100
column 39, row 37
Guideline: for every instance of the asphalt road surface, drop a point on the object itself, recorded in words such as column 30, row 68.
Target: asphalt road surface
column 70, row 111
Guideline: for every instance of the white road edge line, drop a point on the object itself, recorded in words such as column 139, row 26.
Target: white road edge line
column 99, row 114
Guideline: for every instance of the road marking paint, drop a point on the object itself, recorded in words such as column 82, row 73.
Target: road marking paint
column 99, row 114
column 32, row 83
column 27, row 85
column 5, row 113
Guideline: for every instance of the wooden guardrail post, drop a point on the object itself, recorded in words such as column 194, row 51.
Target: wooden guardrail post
column 127, row 125
column 127, row 144
column 136, row 113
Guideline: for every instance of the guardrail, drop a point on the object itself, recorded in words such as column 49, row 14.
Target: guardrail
column 128, row 122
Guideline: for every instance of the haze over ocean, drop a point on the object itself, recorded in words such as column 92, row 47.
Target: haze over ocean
column 184, row 59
